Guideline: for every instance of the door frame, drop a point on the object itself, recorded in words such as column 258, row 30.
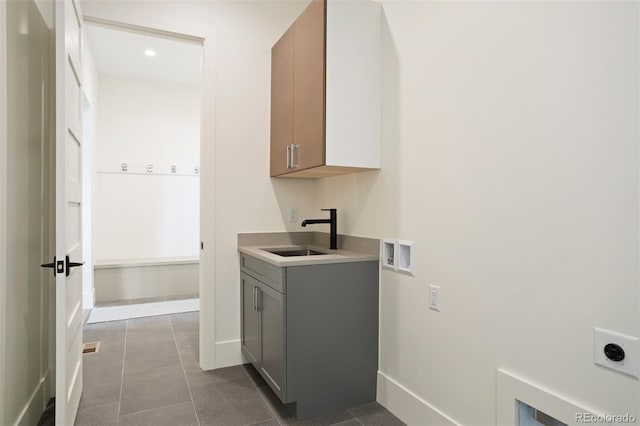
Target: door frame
column 3, row 200
column 207, row 355
column 47, row 365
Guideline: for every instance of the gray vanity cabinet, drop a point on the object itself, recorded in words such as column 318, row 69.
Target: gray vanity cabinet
column 312, row 331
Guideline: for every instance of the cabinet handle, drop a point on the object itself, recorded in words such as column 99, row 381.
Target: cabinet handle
column 258, row 292
column 255, row 299
column 294, row 156
column 289, row 156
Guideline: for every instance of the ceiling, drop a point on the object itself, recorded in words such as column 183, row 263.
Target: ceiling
column 122, row 53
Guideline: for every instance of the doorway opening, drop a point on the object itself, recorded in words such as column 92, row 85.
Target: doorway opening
column 141, row 123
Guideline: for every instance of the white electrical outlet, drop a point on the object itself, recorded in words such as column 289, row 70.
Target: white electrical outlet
column 616, row 351
column 434, row 297
column 293, row 214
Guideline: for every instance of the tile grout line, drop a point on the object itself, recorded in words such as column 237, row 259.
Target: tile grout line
column 259, row 421
column 354, row 416
column 175, row 342
column 275, row 416
column 153, row 409
column 124, row 355
column 346, row 421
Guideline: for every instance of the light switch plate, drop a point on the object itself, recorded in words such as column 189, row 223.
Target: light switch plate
column 629, row 365
column 434, row 297
column 293, row 214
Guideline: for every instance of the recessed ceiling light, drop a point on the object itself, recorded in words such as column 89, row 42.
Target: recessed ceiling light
column 150, row 52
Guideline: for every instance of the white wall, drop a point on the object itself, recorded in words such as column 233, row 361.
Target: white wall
column 89, row 122
column 146, row 216
column 237, row 195
column 3, row 204
column 510, row 157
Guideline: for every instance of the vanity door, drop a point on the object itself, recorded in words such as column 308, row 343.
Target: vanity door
column 271, row 307
column 251, row 336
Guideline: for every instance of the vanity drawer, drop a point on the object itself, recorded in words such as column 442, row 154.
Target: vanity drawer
column 273, row 276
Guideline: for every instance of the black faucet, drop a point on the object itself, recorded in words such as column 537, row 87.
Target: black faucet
column 334, row 225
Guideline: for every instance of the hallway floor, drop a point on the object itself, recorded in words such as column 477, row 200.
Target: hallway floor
column 146, row 373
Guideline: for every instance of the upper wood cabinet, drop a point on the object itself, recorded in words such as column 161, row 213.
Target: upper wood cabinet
column 281, row 103
column 325, row 91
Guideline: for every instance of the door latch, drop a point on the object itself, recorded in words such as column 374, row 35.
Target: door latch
column 59, row 266
column 56, row 265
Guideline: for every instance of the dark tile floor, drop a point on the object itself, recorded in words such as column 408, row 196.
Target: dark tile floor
column 146, row 373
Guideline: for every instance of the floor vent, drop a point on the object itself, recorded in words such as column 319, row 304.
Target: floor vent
column 91, row 348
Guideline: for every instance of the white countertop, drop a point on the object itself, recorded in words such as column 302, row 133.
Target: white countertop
column 331, row 256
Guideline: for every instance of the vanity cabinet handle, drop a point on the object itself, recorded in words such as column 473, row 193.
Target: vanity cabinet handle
column 289, row 156
column 294, row 155
column 255, row 299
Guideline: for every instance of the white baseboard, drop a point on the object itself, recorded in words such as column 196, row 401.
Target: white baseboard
column 123, row 312
column 228, row 353
column 33, row 409
column 408, row 406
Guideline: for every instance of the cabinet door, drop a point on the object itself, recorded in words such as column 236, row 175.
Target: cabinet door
column 250, row 319
column 309, row 87
column 271, row 306
column 281, row 103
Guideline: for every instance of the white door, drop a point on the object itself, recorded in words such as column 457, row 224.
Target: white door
column 68, row 21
